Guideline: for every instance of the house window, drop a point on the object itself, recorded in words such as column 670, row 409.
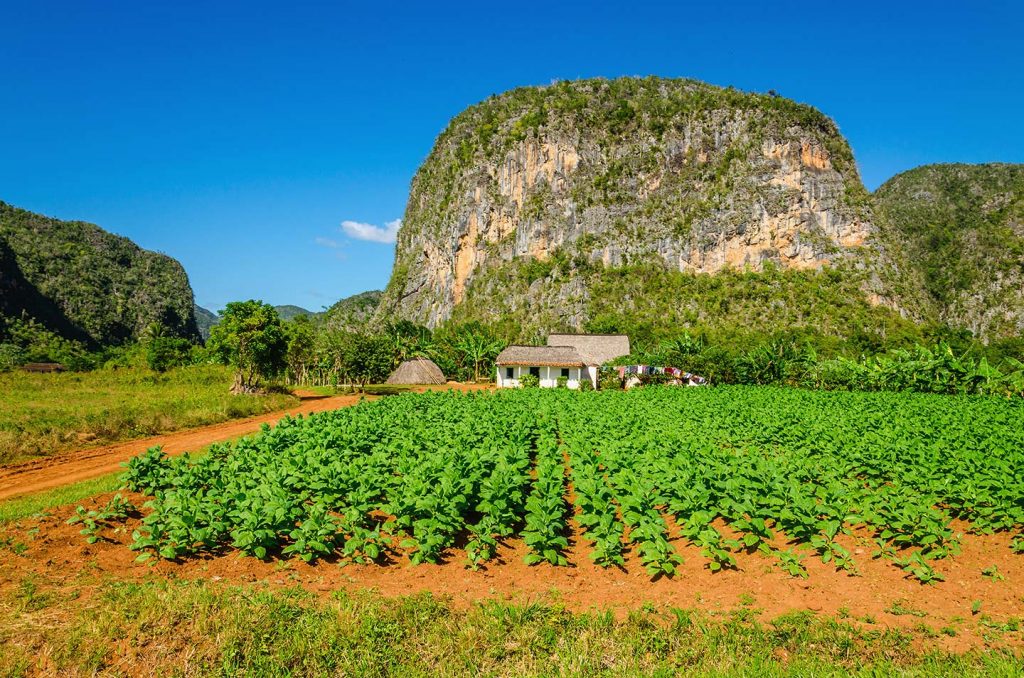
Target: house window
column 565, row 372
column 535, row 371
column 509, row 372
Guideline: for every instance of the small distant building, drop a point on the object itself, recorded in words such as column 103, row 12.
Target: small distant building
column 574, row 357
column 417, row 372
column 42, row 368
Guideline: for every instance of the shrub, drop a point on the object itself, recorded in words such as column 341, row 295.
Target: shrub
column 609, row 381
column 163, row 353
column 529, row 381
column 562, row 382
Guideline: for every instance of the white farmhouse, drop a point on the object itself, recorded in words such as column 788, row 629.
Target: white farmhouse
column 576, row 357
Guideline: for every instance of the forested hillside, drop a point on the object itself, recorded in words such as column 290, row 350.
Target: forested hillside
column 352, row 313
column 85, row 284
column 962, row 229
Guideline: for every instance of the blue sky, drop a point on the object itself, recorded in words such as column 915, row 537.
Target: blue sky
column 238, row 137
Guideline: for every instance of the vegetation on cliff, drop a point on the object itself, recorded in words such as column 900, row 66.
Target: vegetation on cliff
column 962, row 229
column 655, row 206
column 619, row 173
column 86, row 285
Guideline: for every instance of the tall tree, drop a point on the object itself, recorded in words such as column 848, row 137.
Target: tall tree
column 368, row 358
column 251, row 338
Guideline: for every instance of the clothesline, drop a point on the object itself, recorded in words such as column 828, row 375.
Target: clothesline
column 649, row 370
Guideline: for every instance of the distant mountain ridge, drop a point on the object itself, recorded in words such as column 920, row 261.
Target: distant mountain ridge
column 353, row 313
column 288, row 311
column 86, row 284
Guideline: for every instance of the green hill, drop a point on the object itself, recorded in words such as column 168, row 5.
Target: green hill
column 352, row 313
column 287, row 312
column 962, row 229
column 86, row 284
column 205, row 320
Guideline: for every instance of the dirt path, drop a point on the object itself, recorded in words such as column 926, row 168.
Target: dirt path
column 71, row 467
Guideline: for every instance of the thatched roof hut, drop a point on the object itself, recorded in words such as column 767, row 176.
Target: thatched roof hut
column 540, row 356
column 418, row 371
column 595, row 349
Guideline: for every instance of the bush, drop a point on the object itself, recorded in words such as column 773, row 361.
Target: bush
column 163, row 353
column 585, row 385
column 609, row 381
column 562, row 382
column 529, row 381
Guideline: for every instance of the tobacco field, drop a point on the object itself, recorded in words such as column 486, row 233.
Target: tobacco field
column 441, row 476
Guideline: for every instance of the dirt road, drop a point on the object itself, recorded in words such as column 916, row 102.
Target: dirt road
column 72, row 467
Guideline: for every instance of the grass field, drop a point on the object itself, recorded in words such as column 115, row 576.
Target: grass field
column 194, row 627
column 42, row 414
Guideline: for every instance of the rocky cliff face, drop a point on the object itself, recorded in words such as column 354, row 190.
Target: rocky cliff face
column 962, row 229
column 614, row 173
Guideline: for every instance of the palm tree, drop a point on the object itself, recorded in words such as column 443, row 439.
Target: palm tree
column 478, row 348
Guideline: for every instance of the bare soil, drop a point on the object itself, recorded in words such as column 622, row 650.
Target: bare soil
column 879, row 596
column 71, row 467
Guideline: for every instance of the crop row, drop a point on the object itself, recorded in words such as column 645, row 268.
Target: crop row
column 785, row 472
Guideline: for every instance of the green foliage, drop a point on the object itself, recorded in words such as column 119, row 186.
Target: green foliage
column 250, row 338
column 368, row 358
column 93, row 522
column 609, row 380
column 86, row 285
column 163, row 353
column 922, row 369
column 28, row 341
column 775, row 465
column 529, row 381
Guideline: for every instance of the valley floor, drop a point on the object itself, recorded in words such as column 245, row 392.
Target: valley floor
column 72, row 467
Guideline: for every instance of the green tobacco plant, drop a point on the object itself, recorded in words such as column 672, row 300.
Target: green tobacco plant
column 649, row 473
column 93, row 522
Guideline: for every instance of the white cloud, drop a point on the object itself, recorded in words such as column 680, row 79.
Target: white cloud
column 329, row 243
column 387, row 233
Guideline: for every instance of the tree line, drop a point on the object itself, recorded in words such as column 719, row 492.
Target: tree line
column 265, row 349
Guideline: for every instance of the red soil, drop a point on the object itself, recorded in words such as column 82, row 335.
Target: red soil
column 57, row 551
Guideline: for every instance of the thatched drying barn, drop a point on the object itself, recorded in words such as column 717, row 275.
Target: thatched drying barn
column 419, row 371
